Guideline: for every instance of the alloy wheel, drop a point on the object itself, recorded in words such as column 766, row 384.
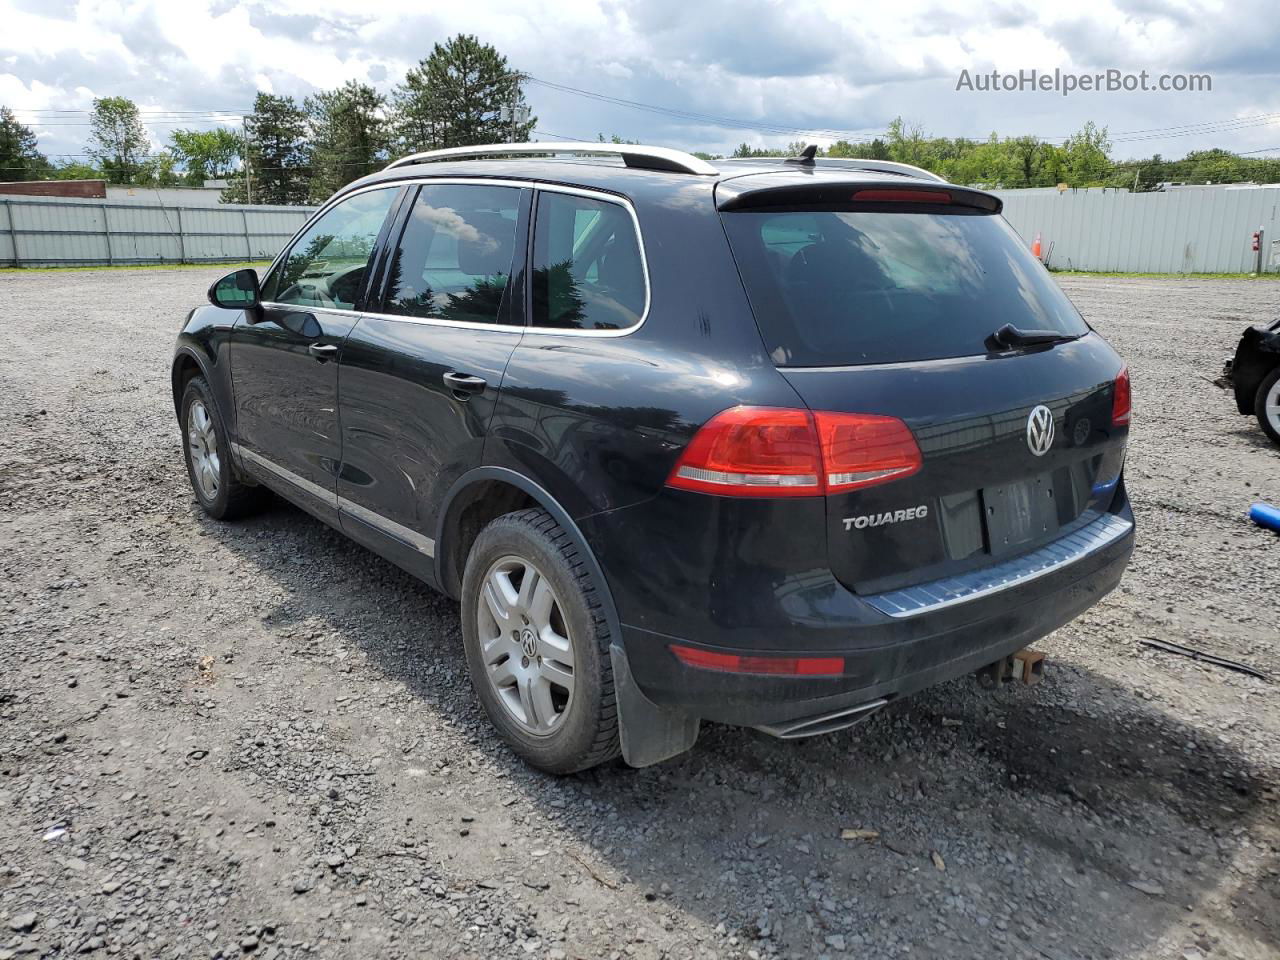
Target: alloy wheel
column 202, row 443
column 525, row 644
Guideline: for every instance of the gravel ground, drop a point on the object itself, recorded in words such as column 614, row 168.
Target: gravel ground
column 219, row 740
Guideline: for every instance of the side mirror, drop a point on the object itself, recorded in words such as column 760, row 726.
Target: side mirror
column 236, row 291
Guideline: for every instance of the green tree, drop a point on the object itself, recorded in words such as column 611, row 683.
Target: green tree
column 117, row 139
column 276, row 169
column 75, row 170
column 453, row 98
column 19, row 158
column 908, row 144
column 1085, row 156
column 159, row 170
column 349, row 136
column 745, row 150
column 206, row 154
column 876, row 149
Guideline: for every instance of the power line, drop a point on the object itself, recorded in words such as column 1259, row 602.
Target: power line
column 1204, row 127
column 754, row 125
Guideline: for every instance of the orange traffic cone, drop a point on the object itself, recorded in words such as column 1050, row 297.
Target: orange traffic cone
column 1035, row 247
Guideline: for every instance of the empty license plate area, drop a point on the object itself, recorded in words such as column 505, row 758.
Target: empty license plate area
column 1019, row 513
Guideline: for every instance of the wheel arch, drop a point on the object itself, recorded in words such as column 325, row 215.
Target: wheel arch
column 649, row 733
column 1257, row 354
column 187, row 364
column 500, row 490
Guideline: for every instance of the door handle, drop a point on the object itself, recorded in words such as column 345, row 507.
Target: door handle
column 323, row 351
column 464, row 385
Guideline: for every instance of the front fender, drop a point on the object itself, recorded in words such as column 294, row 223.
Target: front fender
column 204, row 346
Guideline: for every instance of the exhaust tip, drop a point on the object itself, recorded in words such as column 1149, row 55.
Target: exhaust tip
column 823, row 722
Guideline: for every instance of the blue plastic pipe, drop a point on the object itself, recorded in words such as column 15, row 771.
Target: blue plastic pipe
column 1265, row 515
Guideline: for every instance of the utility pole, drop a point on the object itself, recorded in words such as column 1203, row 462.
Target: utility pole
column 248, row 165
column 513, row 114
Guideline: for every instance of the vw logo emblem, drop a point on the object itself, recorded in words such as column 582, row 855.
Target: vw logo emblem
column 529, row 642
column 1040, row 430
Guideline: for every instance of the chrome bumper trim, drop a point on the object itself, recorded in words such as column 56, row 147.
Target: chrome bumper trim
column 949, row 591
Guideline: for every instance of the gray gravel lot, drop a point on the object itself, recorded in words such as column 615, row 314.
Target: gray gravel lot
column 219, row 740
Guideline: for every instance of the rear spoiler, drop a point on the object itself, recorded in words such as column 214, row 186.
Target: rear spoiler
column 807, row 191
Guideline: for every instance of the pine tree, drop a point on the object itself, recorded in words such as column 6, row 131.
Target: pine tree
column 349, row 136
column 453, row 99
column 275, row 148
column 19, row 158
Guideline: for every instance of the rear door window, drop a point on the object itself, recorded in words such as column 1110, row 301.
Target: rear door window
column 834, row 288
column 587, row 268
column 455, row 256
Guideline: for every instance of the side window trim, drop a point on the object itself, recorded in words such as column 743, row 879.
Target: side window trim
column 520, row 319
column 601, row 197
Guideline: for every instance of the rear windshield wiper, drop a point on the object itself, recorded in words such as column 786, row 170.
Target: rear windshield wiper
column 1011, row 336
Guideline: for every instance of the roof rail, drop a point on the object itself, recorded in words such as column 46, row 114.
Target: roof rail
column 853, row 163
column 633, row 155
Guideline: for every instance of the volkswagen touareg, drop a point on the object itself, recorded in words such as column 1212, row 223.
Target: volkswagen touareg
column 770, row 443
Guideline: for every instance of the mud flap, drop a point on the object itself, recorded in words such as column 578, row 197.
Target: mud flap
column 649, row 733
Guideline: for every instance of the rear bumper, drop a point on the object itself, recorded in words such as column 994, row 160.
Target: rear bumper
column 885, row 656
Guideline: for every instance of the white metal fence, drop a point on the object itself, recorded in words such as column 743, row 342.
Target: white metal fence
column 42, row 232
column 1200, row 230
column 1181, row 231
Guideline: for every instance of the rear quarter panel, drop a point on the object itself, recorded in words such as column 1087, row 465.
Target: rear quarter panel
column 599, row 420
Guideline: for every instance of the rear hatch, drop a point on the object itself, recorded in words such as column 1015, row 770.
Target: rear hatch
column 886, row 299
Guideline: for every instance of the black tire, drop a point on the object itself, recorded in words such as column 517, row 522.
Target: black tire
column 233, row 498
column 586, row 733
column 1270, row 425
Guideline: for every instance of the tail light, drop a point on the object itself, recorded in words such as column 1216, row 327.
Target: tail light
column 781, row 452
column 861, row 450
column 1122, row 400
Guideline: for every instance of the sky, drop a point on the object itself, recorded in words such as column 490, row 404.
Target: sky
column 767, row 72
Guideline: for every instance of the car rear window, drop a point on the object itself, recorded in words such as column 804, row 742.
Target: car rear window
column 835, row 288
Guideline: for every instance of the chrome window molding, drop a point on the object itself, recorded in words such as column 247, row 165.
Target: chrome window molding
column 593, row 194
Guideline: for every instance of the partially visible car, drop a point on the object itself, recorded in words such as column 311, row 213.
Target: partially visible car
column 1253, row 374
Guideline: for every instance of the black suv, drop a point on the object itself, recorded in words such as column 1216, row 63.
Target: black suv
column 768, row 443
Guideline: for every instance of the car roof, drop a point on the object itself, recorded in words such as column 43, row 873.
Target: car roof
column 636, row 172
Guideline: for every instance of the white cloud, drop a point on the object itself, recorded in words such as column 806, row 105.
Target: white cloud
column 817, row 66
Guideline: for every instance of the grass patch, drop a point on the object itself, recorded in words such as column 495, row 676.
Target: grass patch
column 1166, row 276
column 229, row 266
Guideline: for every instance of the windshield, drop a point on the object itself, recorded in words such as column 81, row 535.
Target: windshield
column 835, row 288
